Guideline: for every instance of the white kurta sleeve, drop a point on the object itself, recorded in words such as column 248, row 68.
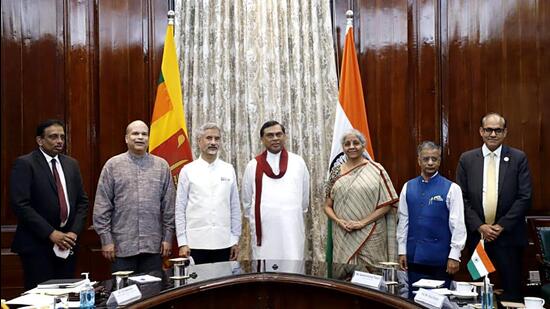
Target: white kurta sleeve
column 247, row 190
column 181, row 207
column 403, row 224
column 457, row 226
column 235, row 207
column 305, row 186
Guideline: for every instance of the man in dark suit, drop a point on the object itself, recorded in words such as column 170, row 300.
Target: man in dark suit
column 48, row 198
column 496, row 186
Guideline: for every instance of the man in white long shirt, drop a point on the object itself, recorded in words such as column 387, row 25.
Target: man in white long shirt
column 208, row 211
column 431, row 232
column 275, row 196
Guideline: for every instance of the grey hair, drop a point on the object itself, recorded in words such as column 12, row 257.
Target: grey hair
column 207, row 126
column 427, row 145
column 357, row 134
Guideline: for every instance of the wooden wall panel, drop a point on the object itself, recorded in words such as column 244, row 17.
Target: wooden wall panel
column 80, row 99
column 429, row 69
column 459, row 60
column 130, row 40
column 11, row 89
column 381, row 40
column 32, row 78
column 93, row 64
column 120, row 54
column 543, row 99
column 497, row 56
column 130, row 37
column 423, row 66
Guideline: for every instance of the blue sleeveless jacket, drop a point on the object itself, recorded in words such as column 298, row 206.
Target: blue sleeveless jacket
column 429, row 237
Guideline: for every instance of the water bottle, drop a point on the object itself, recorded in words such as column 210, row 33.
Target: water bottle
column 87, row 294
column 487, row 295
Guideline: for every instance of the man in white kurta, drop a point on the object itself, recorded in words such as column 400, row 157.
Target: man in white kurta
column 208, row 211
column 283, row 200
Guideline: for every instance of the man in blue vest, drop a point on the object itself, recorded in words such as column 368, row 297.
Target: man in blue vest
column 431, row 232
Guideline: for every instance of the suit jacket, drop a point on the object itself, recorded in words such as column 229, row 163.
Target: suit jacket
column 514, row 194
column 34, row 199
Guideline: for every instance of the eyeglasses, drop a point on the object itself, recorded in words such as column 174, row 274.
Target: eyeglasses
column 490, row 131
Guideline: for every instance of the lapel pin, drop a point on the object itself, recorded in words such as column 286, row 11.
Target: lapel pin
column 506, row 159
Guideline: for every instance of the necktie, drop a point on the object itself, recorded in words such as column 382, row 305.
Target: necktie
column 60, row 193
column 491, row 195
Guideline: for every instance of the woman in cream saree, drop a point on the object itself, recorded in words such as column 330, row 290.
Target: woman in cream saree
column 361, row 200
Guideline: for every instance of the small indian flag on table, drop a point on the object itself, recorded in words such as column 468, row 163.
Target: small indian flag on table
column 479, row 264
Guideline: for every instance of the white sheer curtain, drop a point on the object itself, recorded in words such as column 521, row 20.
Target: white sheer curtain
column 244, row 62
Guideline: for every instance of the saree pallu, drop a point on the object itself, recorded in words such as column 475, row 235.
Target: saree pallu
column 357, row 194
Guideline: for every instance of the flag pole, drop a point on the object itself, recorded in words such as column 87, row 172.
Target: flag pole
column 349, row 19
column 171, row 14
column 171, row 5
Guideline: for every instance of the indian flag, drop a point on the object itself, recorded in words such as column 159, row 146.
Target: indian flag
column 350, row 111
column 350, row 108
column 169, row 138
column 480, row 265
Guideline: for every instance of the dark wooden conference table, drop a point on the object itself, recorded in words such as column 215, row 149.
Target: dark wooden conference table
column 264, row 284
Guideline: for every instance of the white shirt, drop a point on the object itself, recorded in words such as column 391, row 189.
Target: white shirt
column 208, row 210
column 486, row 152
column 283, row 203
column 61, row 178
column 455, row 205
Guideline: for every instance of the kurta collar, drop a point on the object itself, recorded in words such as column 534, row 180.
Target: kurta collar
column 427, row 181
column 273, row 156
column 273, row 159
column 133, row 157
column 205, row 163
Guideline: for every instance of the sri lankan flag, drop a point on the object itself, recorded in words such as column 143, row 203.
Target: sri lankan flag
column 169, row 138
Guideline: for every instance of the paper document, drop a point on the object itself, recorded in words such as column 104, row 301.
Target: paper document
column 61, row 283
column 123, row 273
column 56, row 291
column 509, row 304
column 32, row 299
column 427, row 283
column 442, row 291
column 145, row 279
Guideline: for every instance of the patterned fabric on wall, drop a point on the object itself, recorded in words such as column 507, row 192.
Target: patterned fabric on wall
column 244, row 62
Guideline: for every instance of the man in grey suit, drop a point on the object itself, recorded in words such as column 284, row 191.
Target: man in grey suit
column 48, row 198
column 496, row 187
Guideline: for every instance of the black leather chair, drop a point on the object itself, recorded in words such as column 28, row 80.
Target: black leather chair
column 540, row 232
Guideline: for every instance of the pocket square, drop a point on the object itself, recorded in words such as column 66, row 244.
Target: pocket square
column 436, row 198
